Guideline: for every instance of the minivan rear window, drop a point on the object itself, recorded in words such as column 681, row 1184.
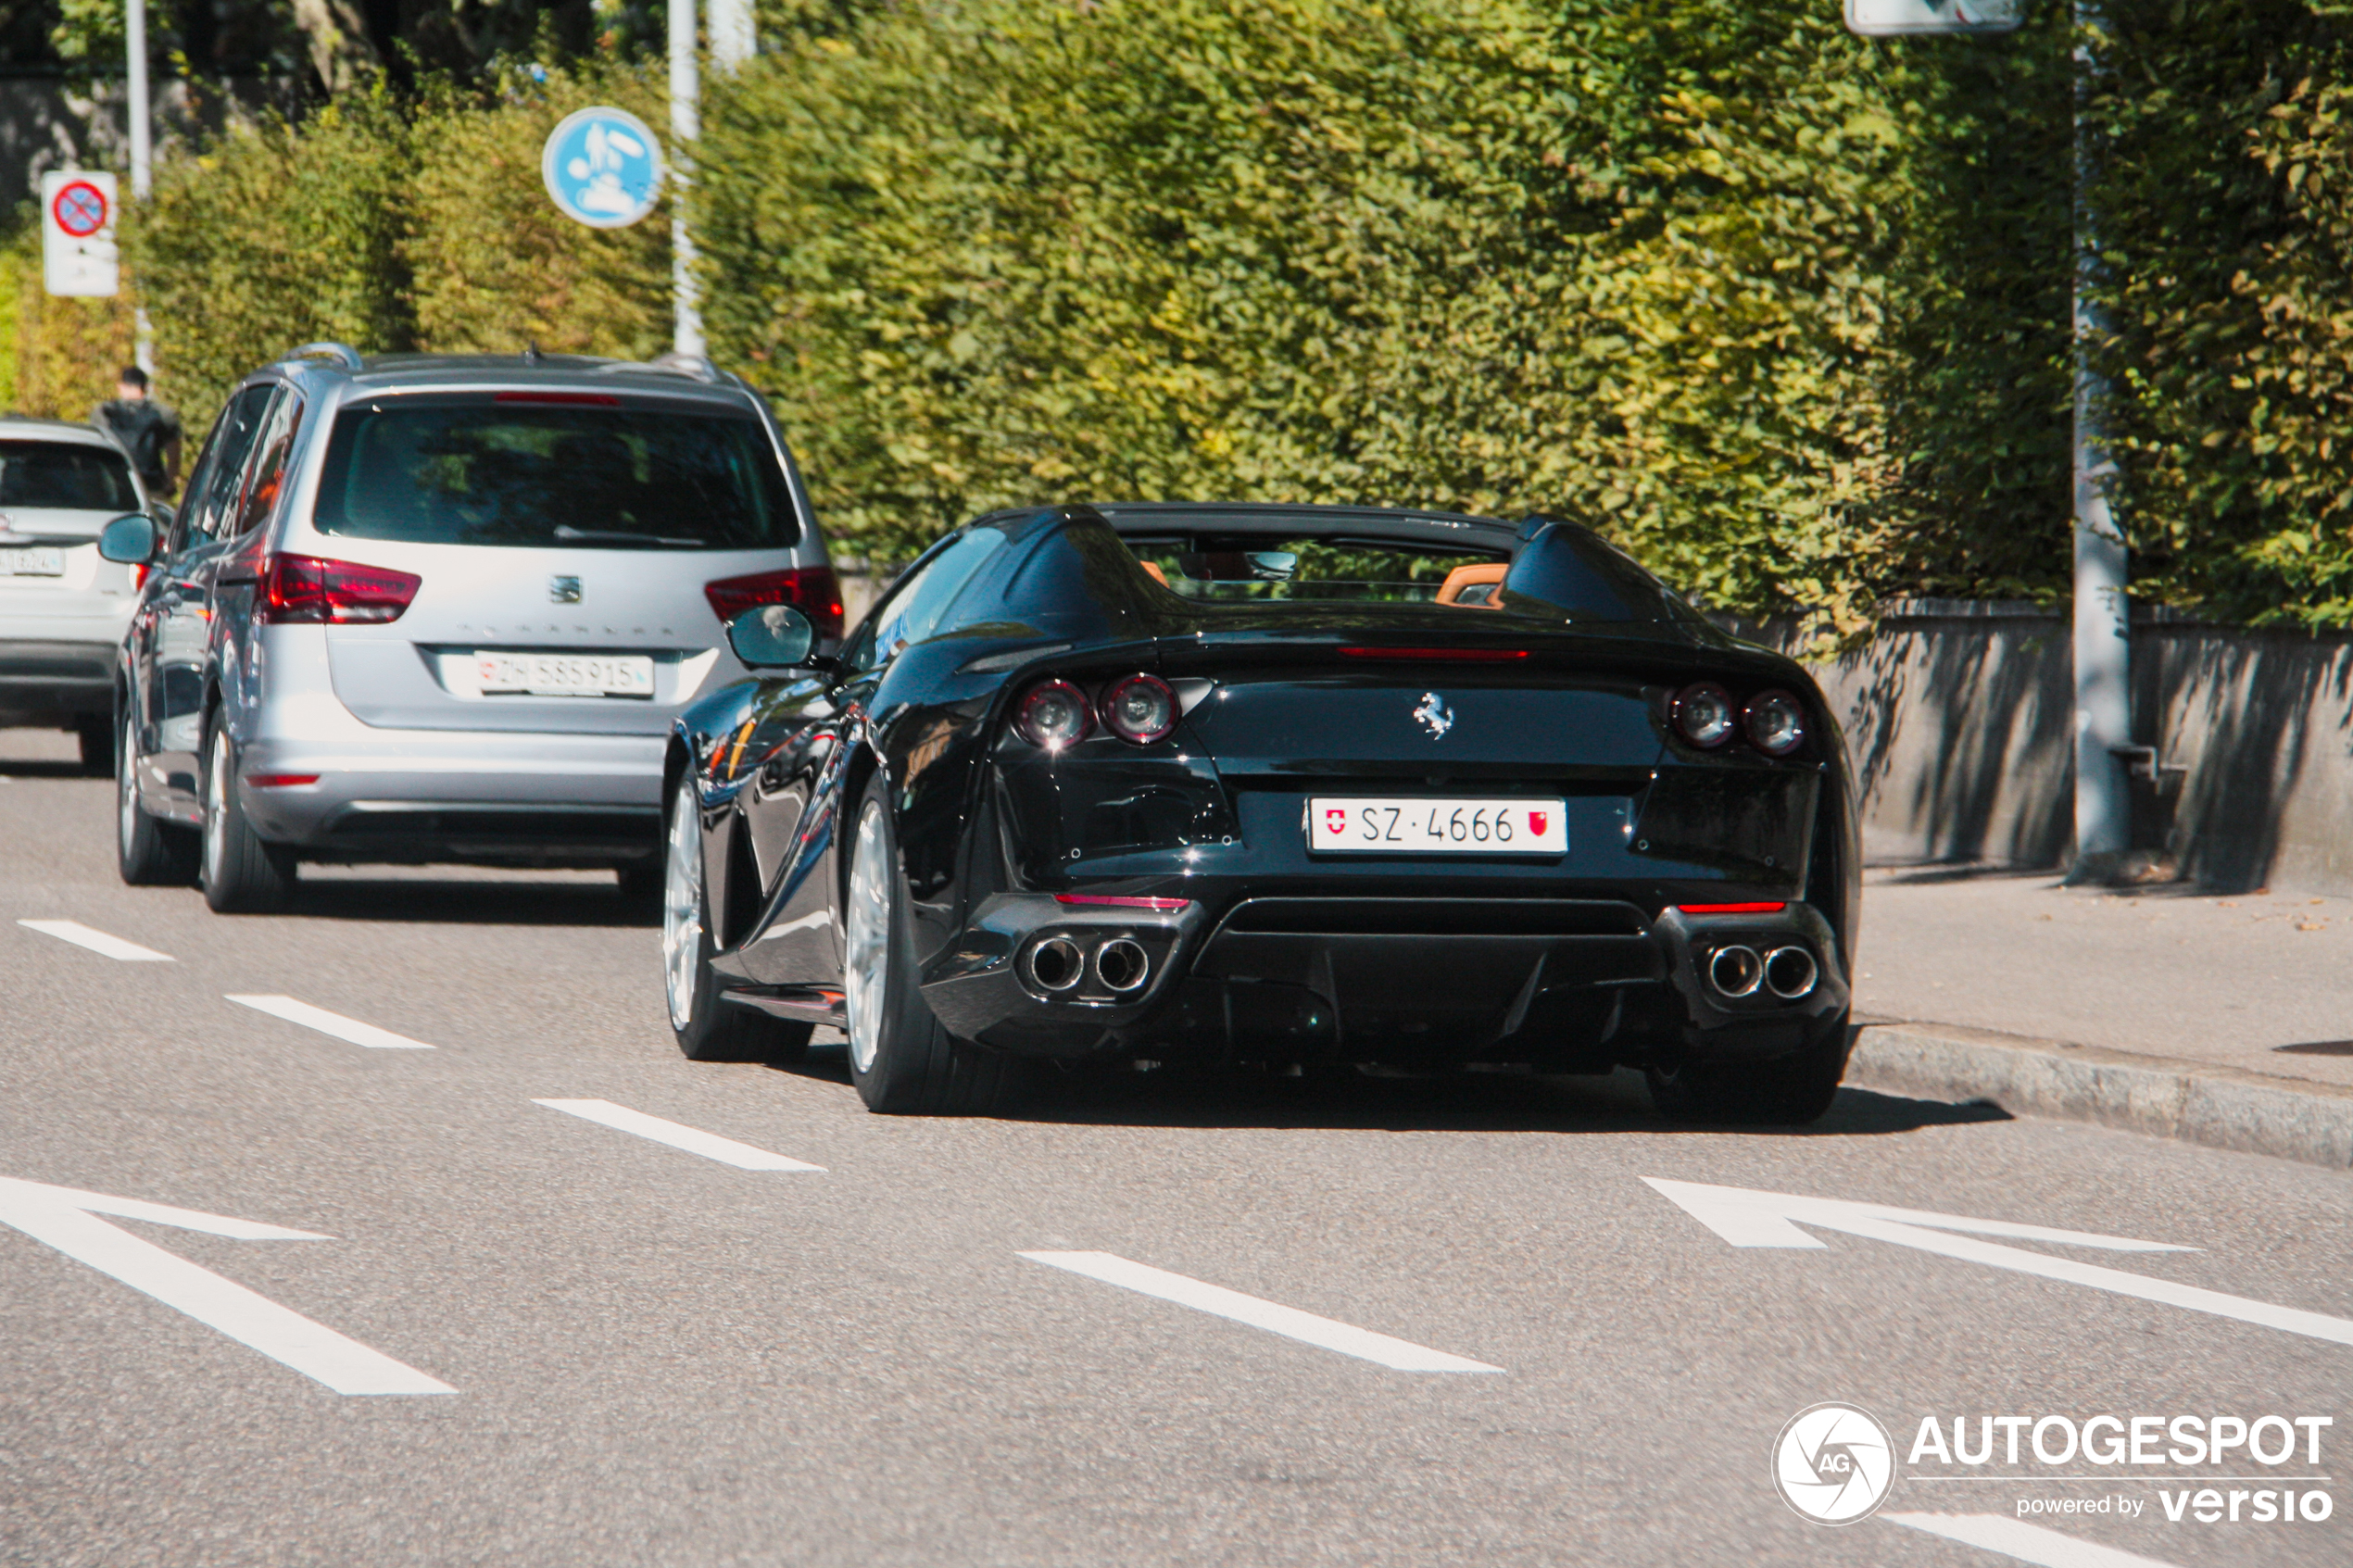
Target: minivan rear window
column 582, row 474
column 68, row 475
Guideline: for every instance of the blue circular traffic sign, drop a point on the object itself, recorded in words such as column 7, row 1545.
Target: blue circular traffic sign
column 603, row 168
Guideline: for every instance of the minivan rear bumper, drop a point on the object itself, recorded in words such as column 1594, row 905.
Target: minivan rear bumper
column 440, row 795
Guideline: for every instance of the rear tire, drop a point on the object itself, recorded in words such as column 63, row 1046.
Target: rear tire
column 643, row 884
column 239, row 872
column 96, row 732
column 903, row 1061
column 709, row 1027
column 148, row 853
column 1787, row 1091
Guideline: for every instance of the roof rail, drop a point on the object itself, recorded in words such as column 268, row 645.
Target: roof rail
column 679, row 364
column 341, row 353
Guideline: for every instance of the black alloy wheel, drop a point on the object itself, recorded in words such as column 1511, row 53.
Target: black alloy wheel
column 1787, row 1091
column 147, row 852
column 240, row 873
column 903, row 1061
column 709, row 1027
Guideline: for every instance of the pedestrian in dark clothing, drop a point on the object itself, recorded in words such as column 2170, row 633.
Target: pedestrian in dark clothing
column 144, row 428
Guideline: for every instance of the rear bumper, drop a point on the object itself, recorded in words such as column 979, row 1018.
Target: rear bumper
column 1565, row 985
column 409, row 795
column 56, row 680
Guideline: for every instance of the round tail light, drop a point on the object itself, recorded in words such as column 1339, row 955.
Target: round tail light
column 1140, row 709
column 1054, row 715
column 1704, row 714
column 1776, row 723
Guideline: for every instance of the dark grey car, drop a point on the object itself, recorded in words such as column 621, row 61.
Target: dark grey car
column 443, row 609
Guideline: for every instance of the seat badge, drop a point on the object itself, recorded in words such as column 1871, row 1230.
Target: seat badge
column 564, row 590
column 1434, row 715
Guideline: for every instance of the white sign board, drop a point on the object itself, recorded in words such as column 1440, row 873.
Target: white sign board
column 603, row 168
column 1897, row 18
column 77, row 235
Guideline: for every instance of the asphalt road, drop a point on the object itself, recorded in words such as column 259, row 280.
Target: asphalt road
column 655, row 1356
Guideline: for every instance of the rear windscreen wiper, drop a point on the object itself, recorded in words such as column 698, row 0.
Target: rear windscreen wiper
column 570, row 535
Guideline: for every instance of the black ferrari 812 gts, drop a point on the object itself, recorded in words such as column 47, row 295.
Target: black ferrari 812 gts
column 1292, row 786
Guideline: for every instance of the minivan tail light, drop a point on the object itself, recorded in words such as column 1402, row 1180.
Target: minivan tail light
column 812, row 590
column 304, row 590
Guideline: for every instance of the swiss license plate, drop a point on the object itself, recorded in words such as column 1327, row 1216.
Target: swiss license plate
column 565, row 674
column 42, row 560
column 1394, row 826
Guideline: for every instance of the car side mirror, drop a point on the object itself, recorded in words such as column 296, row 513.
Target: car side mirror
column 769, row 636
column 130, row 540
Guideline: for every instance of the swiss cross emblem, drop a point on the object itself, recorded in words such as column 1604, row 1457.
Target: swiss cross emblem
column 1335, row 821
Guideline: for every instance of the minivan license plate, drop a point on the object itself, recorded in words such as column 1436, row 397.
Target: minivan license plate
column 1394, row 826
column 553, row 674
column 39, row 561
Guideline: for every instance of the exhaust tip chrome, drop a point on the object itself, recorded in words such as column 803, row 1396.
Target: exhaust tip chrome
column 1122, row 965
column 1735, row 970
column 1054, row 964
column 1791, row 972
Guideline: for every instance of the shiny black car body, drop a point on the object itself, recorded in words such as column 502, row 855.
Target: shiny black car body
column 1159, row 899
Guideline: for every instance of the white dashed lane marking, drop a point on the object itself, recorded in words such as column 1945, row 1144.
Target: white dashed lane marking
column 2027, row 1543
column 333, row 1024
column 1290, row 1321
column 81, row 935
column 711, row 1145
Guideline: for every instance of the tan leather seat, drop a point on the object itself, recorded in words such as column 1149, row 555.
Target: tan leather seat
column 1461, row 577
column 1158, row 576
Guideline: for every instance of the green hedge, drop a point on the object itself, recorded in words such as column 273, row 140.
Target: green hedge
column 1663, row 264
column 1784, row 310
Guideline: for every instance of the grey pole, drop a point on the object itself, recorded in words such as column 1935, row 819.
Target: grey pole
column 732, row 38
column 2103, row 614
column 141, row 150
column 686, row 125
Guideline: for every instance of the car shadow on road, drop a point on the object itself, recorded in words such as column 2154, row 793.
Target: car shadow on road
column 17, row 768
column 1348, row 1101
column 469, row 902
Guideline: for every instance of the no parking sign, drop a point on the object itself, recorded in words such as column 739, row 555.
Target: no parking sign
column 603, row 168
column 78, row 257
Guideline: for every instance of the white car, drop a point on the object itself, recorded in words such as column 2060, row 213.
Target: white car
column 63, row 611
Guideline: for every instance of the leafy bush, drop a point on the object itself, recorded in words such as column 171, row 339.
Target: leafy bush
column 58, row 357
column 2225, row 211
column 1663, row 264
column 495, row 265
column 276, row 235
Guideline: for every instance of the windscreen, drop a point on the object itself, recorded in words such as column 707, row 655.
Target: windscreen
column 592, row 475
column 1261, row 568
column 67, row 475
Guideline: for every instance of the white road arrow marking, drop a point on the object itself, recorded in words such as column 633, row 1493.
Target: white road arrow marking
column 2028, row 1543
column 333, row 1024
column 694, row 1140
column 67, row 1220
column 81, row 935
column 1348, row 1339
column 1747, row 1217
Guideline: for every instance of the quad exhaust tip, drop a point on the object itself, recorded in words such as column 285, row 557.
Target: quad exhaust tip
column 1736, row 971
column 1056, row 964
column 1122, row 965
column 1791, row 972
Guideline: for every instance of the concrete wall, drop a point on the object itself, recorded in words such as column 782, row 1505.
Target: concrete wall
column 1957, row 717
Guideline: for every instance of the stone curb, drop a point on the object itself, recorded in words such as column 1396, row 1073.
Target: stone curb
column 2220, row 1107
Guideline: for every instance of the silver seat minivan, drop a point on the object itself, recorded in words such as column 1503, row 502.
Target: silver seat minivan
column 432, row 608
column 62, row 609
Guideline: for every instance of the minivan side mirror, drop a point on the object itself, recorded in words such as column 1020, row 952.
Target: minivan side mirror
column 766, row 636
column 130, row 540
